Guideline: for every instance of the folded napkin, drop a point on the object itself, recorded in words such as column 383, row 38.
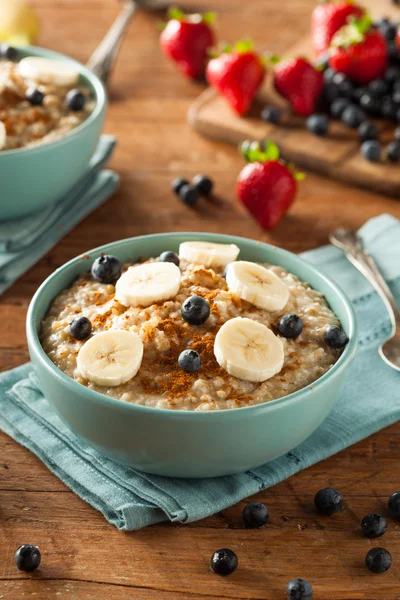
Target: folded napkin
column 130, row 500
column 24, row 241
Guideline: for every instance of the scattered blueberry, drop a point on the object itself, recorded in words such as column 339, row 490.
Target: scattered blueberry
column 378, row 560
column 396, row 96
column 331, row 92
column 371, row 104
column 389, row 30
column 343, row 84
column 373, row 526
column 8, row 52
column 393, row 151
column 203, row 184
column 76, row 100
column 358, row 92
column 393, row 51
column 368, row 131
column 396, row 85
column 34, row 97
column 255, row 515
column 195, row 310
column 178, row 184
column 290, row 326
column 397, row 133
column 27, row 557
column 329, row 74
column 299, row 589
column 318, row 124
column 328, row 501
column 106, row 269
column 394, row 505
column 371, row 150
column 338, row 106
column 189, row 361
column 271, row 114
column 80, row 328
column 353, row 116
column 378, row 87
column 188, row 194
column 335, row 337
column 392, row 73
column 224, row 562
column 388, row 108
column 171, row 257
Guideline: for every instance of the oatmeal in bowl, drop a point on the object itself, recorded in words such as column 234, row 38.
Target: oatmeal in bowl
column 197, row 330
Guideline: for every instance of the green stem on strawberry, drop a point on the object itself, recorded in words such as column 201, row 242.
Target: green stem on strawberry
column 353, row 33
column 177, row 14
column 266, row 151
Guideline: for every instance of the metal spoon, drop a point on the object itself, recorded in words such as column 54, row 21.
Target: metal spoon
column 349, row 241
column 103, row 58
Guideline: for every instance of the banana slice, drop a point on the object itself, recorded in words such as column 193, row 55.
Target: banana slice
column 148, row 283
column 46, row 70
column 248, row 350
column 111, row 358
column 257, row 285
column 208, row 253
column 3, row 135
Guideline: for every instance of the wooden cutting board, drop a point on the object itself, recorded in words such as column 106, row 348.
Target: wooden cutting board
column 337, row 155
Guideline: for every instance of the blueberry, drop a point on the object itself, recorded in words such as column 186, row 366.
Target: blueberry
column 393, row 52
column 34, row 97
column 370, row 104
column 371, row 150
column 299, row 589
column 388, row 108
column 271, row 114
column 328, row 501
column 76, row 100
column 343, row 84
column 353, row 116
column 397, row 133
column 388, row 30
column 203, row 184
column 106, row 269
column 392, row 74
column 27, row 557
column 8, row 52
column 178, row 184
column 338, row 106
column 396, row 85
column 224, row 562
column 255, row 515
column 378, row 87
column 195, row 310
column 290, row 326
column 368, row 131
column 394, row 505
column 358, row 92
column 378, row 560
column 397, row 115
column 393, row 151
column 189, row 361
column 80, row 328
column 373, row 526
column 170, row 256
column 334, row 336
column 188, row 194
column 318, row 124
column 329, row 75
column 331, row 92
column 396, row 96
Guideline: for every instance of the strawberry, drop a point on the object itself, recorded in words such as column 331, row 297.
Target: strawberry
column 359, row 51
column 237, row 75
column 266, row 186
column 186, row 39
column 398, row 39
column 328, row 17
column 300, row 83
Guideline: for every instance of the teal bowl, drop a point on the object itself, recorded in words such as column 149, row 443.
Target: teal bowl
column 181, row 443
column 32, row 178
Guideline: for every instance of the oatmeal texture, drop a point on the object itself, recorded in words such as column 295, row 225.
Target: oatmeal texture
column 160, row 381
column 28, row 125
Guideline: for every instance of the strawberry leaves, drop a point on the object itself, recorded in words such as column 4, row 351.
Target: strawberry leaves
column 266, row 151
column 178, row 15
column 353, row 33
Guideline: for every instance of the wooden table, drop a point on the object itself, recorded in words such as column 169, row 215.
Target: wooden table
column 83, row 556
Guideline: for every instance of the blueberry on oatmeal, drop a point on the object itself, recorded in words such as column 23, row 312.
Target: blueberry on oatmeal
column 80, row 328
column 195, row 310
column 106, row 269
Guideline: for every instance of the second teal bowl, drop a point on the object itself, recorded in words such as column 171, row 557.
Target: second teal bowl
column 183, row 443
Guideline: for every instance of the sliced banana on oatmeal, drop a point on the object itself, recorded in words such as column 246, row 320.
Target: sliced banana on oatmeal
column 148, row 283
column 46, row 70
column 3, row 135
column 257, row 285
column 111, row 358
column 208, row 253
column 248, row 350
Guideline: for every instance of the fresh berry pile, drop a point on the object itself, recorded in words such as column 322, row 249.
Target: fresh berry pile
column 189, row 193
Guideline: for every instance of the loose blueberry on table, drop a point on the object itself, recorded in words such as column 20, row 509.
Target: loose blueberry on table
column 378, row 560
column 394, row 505
column 188, row 194
column 373, row 526
column 27, row 557
column 371, row 150
column 177, row 184
column 299, row 589
column 203, row 184
column 328, row 501
column 255, row 515
column 224, row 562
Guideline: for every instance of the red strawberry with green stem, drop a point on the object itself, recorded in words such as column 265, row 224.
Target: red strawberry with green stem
column 266, row 186
column 359, row 51
column 328, row 17
column 237, row 74
column 300, row 83
column 186, row 39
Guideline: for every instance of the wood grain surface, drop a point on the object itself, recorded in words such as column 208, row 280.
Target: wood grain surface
column 337, row 155
column 83, row 556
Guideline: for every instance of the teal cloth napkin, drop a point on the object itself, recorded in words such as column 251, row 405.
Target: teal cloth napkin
column 130, row 500
column 24, row 241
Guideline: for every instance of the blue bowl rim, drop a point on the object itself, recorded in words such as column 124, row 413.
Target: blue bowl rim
column 342, row 363
column 101, row 101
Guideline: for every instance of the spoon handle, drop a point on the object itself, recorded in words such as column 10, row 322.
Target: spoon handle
column 350, row 242
column 103, row 58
